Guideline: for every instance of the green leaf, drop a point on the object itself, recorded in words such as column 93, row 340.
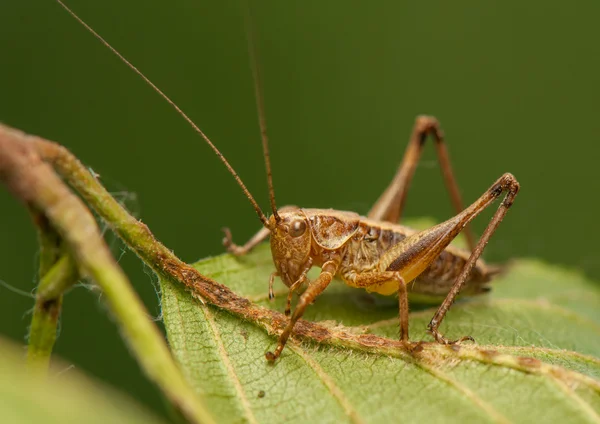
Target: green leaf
column 65, row 397
column 535, row 310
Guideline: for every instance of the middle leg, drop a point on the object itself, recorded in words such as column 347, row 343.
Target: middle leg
column 374, row 278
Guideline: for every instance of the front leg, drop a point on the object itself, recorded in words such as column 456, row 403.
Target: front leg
column 310, row 294
column 236, row 250
column 256, row 239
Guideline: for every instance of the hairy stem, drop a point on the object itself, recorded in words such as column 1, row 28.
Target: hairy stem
column 58, row 280
column 49, row 240
column 34, row 182
column 42, row 332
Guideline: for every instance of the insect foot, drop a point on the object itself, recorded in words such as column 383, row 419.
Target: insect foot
column 443, row 340
column 230, row 245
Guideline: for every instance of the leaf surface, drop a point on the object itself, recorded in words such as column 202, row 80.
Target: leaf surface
column 66, row 396
column 535, row 310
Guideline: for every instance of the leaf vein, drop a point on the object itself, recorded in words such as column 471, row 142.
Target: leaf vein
column 329, row 383
column 468, row 393
column 227, row 363
column 583, row 406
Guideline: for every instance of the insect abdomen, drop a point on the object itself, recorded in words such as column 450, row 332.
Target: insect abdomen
column 438, row 278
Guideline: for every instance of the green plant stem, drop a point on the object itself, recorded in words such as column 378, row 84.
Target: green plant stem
column 138, row 236
column 35, row 183
column 133, row 232
column 61, row 277
column 49, row 241
column 42, row 332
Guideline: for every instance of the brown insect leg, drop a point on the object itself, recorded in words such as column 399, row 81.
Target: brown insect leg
column 313, row 290
column 288, row 304
column 297, row 284
column 390, row 204
column 271, row 281
column 295, row 287
column 256, row 239
column 508, row 184
column 403, row 310
column 233, row 248
column 373, row 278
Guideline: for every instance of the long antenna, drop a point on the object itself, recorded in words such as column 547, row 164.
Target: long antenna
column 257, row 208
column 260, row 106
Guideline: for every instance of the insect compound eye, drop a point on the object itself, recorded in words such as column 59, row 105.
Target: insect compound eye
column 297, row 228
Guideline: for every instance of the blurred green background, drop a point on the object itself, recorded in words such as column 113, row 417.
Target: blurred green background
column 515, row 85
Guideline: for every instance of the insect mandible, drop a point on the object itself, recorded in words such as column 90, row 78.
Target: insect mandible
column 373, row 252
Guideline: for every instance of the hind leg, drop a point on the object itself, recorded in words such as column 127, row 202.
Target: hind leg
column 390, row 204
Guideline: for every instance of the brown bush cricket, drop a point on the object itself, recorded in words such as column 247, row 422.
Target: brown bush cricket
column 377, row 254
column 373, row 252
